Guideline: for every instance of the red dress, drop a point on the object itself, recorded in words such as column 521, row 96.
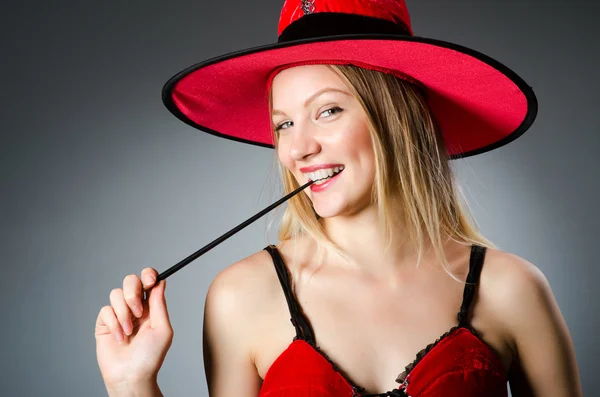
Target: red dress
column 458, row 364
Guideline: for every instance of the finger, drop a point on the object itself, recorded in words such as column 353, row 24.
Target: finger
column 121, row 309
column 159, row 315
column 132, row 292
column 149, row 277
column 107, row 320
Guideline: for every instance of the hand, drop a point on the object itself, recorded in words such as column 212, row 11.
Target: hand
column 133, row 335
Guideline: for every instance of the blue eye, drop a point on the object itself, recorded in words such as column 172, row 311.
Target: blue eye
column 328, row 112
column 281, row 126
column 333, row 110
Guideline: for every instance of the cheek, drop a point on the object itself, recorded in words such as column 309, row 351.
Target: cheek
column 363, row 150
column 284, row 156
column 360, row 140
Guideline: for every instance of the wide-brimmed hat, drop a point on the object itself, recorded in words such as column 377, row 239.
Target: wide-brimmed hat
column 478, row 103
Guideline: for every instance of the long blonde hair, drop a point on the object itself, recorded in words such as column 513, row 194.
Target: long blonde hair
column 412, row 170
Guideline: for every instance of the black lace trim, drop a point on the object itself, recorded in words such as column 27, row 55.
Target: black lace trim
column 476, row 262
column 359, row 391
column 356, row 390
column 421, row 354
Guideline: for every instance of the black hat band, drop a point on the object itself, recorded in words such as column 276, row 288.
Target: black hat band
column 327, row 24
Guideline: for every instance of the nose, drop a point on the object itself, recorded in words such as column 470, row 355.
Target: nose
column 304, row 144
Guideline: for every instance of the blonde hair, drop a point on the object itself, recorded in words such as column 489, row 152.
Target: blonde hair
column 412, row 167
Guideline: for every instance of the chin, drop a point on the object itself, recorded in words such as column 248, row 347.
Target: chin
column 326, row 215
column 329, row 211
column 343, row 209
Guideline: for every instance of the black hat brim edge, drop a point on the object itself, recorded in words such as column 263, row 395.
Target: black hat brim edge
column 532, row 103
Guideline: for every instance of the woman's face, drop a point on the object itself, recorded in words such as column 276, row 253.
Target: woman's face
column 320, row 124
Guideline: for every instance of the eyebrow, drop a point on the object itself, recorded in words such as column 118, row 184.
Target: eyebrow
column 314, row 96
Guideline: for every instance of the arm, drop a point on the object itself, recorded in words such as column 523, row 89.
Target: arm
column 146, row 389
column 228, row 313
column 544, row 357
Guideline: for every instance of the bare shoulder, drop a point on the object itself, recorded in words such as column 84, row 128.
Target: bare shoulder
column 520, row 303
column 506, row 276
column 244, row 279
column 512, row 286
column 236, row 304
column 242, row 290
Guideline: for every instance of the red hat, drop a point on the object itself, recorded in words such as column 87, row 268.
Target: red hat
column 478, row 103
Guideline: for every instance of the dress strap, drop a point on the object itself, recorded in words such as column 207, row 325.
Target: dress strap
column 301, row 324
column 475, row 265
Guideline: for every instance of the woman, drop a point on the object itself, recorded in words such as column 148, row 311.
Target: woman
column 390, row 288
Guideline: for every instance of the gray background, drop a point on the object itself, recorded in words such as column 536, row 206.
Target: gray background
column 98, row 180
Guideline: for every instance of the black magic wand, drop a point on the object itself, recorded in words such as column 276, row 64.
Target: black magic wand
column 224, row 237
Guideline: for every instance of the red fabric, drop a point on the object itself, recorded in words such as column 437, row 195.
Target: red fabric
column 478, row 103
column 475, row 104
column 460, row 365
column 391, row 10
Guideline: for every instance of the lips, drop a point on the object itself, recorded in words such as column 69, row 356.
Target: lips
column 319, row 188
column 314, row 168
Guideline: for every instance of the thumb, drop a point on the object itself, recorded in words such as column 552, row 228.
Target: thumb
column 157, row 304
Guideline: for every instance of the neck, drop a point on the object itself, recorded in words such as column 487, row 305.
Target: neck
column 361, row 236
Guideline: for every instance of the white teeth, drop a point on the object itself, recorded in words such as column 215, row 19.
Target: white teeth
column 324, row 173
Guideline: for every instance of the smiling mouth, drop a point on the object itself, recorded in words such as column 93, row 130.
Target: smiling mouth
column 323, row 180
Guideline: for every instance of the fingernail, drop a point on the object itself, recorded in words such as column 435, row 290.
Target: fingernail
column 119, row 336
column 148, row 279
column 137, row 311
column 127, row 328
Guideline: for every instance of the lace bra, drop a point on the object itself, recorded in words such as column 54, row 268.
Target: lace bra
column 459, row 363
